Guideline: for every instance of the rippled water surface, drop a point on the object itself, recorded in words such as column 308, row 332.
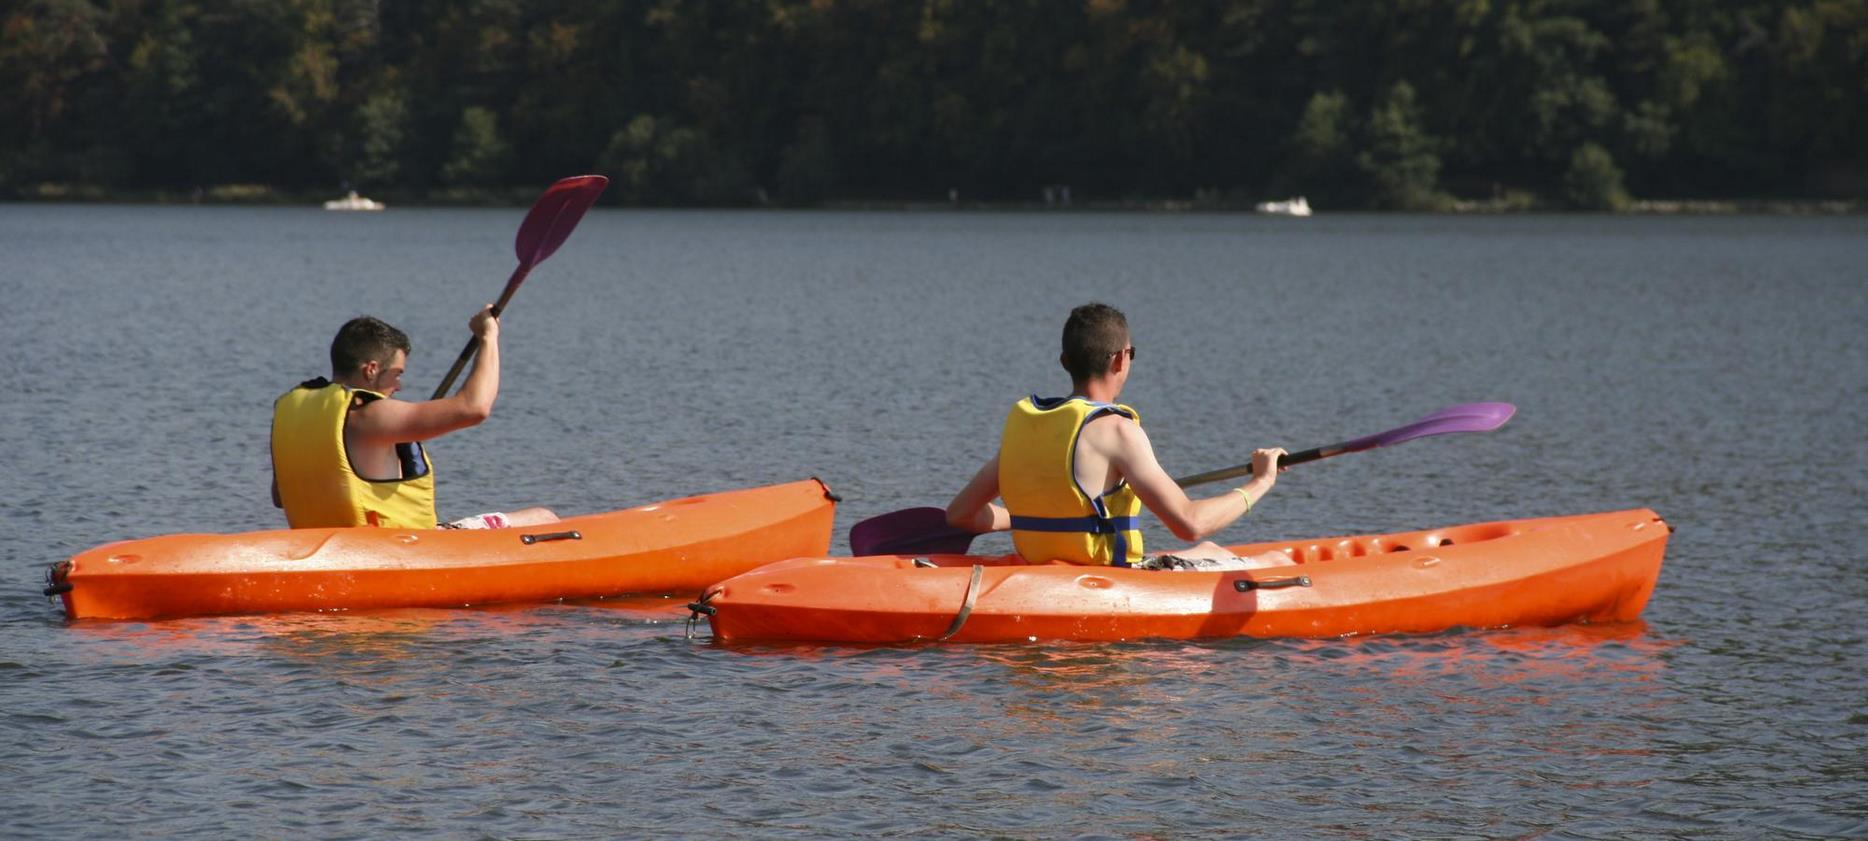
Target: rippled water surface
column 1713, row 369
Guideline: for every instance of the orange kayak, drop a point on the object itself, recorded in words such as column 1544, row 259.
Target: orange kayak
column 676, row 546
column 1553, row 571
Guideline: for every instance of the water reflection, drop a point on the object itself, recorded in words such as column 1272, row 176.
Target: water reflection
column 389, row 633
column 1509, row 655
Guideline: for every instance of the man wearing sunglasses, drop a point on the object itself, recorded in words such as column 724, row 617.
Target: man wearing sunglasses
column 1074, row 472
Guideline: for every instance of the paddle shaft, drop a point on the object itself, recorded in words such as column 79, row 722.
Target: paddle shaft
column 1237, row 470
column 1466, row 417
column 473, row 342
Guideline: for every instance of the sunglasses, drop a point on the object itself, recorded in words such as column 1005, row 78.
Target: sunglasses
column 1130, row 350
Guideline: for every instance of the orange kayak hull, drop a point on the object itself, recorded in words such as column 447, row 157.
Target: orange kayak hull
column 679, row 546
column 1551, row 571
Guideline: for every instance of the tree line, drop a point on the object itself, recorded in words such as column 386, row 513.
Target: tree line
column 1404, row 104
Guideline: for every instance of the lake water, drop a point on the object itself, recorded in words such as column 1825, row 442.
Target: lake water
column 1714, row 369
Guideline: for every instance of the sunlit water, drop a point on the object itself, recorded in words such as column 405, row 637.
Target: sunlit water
column 1713, row 369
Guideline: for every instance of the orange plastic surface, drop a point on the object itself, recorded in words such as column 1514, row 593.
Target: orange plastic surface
column 679, row 546
column 1552, row 571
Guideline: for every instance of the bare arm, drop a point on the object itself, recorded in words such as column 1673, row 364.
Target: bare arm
column 972, row 509
column 398, row 421
column 1189, row 519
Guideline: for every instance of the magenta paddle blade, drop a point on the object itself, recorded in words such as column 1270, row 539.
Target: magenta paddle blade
column 555, row 215
column 910, row 531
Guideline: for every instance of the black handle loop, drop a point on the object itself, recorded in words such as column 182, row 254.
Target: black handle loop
column 529, row 539
column 1247, row 585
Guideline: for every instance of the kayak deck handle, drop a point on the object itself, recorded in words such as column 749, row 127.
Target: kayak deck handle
column 1247, row 585
column 529, row 539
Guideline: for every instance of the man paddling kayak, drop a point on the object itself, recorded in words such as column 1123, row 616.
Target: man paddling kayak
column 346, row 453
column 1053, row 450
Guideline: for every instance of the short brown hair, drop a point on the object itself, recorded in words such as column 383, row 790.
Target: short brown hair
column 363, row 339
column 1093, row 333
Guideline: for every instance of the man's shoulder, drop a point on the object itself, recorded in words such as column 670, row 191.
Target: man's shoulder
column 1115, row 429
column 376, row 412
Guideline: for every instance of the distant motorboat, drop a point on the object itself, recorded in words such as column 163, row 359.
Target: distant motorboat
column 356, row 202
column 1294, row 207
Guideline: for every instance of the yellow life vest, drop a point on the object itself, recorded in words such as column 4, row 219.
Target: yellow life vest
column 317, row 485
column 1053, row 518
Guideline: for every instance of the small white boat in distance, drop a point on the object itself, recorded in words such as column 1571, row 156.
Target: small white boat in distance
column 1294, row 207
column 353, row 202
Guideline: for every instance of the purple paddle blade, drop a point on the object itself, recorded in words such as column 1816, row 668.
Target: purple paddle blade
column 910, row 531
column 1466, row 417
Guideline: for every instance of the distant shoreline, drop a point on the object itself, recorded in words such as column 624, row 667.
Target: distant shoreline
column 1644, row 207
column 261, row 195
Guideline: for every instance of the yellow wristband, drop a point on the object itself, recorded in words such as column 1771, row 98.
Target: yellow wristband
column 1248, row 501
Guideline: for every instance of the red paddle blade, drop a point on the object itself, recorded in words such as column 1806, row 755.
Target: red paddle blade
column 555, row 215
column 910, row 531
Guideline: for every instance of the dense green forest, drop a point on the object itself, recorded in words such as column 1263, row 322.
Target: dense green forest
column 1355, row 103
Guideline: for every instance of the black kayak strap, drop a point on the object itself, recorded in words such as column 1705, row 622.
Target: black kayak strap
column 966, row 605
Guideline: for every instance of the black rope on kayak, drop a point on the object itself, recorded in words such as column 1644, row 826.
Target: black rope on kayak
column 966, row 606
column 699, row 608
column 55, row 583
column 828, row 493
column 1247, row 585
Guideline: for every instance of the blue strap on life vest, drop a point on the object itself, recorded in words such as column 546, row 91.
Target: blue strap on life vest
column 1085, row 525
column 1116, row 527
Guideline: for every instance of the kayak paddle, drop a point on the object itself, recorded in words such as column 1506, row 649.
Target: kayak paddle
column 552, row 218
column 1466, row 417
column 924, row 531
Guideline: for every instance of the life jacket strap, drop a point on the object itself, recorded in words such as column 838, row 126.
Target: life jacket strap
column 1116, row 527
column 1080, row 525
